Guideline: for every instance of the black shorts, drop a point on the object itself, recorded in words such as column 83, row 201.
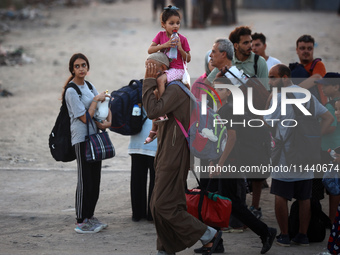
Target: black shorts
column 300, row 190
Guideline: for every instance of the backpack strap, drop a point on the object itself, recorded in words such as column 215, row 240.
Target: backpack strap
column 256, row 58
column 74, row 86
column 71, row 85
column 191, row 96
column 184, row 88
column 315, row 61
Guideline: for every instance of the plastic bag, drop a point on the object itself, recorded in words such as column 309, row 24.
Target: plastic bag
column 186, row 76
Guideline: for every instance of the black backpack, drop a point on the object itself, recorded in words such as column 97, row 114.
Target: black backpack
column 317, row 225
column 121, row 105
column 60, row 137
column 298, row 72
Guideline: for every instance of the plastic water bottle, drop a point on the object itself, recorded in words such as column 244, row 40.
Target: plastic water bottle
column 136, row 110
column 332, row 153
column 173, row 51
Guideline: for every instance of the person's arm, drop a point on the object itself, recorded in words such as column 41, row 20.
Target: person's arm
column 92, row 109
column 326, row 121
column 231, row 141
column 310, row 82
column 154, row 47
column 184, row 49
column 171, row 99
column 185, row 55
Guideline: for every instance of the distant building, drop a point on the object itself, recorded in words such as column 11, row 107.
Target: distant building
column 317, row 5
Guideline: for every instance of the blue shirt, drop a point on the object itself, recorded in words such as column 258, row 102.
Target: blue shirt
column 137, row 146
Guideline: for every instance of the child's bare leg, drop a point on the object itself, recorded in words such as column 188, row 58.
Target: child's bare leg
column 156, row 94
column 152, row 134
column 161, row 81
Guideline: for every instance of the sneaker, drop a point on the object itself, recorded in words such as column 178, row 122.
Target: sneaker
column 87, row 227
column 268, row 240
column 233, row 230
column 301, row 239
column 257, row 212
column 95, row 221
column 283, row 240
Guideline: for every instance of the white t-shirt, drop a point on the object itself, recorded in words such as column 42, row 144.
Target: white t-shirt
column 272, row 61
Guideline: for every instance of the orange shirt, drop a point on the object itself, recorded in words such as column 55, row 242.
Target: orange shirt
column 320, row 69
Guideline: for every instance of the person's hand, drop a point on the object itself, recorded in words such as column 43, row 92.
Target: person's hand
column 101, row 97
column 167, row 44
column 213, row 170
column 179, row 44
column 102, row 126
column 222, row 71
column 151, row 71
column 175, row 42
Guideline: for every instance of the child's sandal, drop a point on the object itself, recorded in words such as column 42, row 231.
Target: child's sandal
column 151, row 137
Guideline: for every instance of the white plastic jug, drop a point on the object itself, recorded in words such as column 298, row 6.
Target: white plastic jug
column 102, row 110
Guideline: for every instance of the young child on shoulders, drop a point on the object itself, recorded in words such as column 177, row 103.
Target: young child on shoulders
column 170, row 22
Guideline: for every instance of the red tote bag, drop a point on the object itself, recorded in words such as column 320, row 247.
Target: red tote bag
column 212, row 209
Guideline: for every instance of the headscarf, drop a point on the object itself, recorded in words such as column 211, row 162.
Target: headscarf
column 206, row 62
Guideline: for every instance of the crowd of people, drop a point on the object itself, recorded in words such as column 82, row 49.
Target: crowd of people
column 162, row 150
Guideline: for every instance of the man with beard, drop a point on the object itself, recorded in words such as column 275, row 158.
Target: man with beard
column 251, row 64
column 244, row 59
column 291, row 184
column 309, row 69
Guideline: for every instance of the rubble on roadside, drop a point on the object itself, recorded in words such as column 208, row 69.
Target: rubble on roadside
column 14, row 57
column 4, row 92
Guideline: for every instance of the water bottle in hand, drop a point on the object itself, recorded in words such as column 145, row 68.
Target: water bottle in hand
column 173, row 50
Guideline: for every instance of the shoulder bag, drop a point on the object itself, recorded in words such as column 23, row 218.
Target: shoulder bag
column 98, row 146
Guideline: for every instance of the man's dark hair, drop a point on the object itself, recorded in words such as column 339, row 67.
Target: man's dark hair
column 259, row 36
column 283, row 70
column 236, row 34
column 306, row 39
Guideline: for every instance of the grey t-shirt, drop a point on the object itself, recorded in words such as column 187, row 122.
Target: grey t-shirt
column 284, row 132
column 77, row 106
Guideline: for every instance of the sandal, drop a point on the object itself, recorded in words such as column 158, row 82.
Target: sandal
column 150, row 138
column 161, row 119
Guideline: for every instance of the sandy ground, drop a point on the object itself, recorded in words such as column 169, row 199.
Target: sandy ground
column 37, row 193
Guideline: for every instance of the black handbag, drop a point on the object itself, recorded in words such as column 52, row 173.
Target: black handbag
column 97, row 146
